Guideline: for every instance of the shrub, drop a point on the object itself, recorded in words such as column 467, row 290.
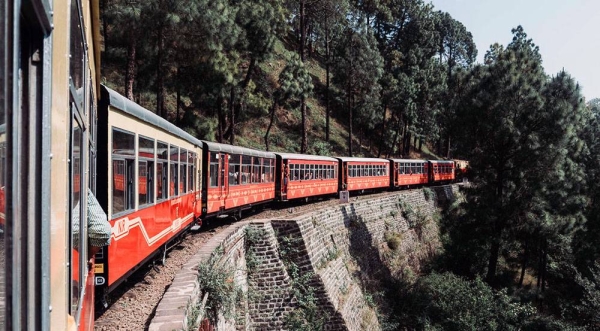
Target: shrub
column 449, row 302
column 393, row 239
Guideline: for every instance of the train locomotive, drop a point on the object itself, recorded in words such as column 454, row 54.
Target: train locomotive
column 62, row 134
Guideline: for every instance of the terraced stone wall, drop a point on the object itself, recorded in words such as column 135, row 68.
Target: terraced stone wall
column 334, row 251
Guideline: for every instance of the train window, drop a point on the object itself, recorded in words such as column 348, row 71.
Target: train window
column 269, row 166
column 234, row 169
column 191, row 171
column 77, row 56
column 214, row 169
column 77, row 226
column 118, row 200
column 246, row 168
column 254, row 174
column 162, row 166
column 296, row 172
column 123, row 146
column 145, row 171
column 183, row 171
column 174, row 170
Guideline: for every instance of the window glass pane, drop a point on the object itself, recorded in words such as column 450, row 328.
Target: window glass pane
column 192, row 172
column 246, row 168
column 118, row 200
column 162, row 151
column 160, row 175
column 77, row 55
column 146, row 148
column 214, row 169
column 174, row 170
column 123, row 143
column 76, row 207
column 183, row 171
column 142, row 182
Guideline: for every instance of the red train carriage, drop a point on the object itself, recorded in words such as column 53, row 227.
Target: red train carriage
column 304, row 176
column 441, row 171
column 235, row 178
column 143, row 155
column 363, row 173
column 409, row 172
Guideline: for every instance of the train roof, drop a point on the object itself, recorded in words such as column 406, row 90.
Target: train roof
column 217, row 147
column 441, row 161
column 361, row 159
column 120, row 102
column 293, row 156
column 408, row 160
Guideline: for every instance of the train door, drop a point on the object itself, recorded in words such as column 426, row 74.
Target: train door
column 224, row 178
column 285, row 173
column 25, row 107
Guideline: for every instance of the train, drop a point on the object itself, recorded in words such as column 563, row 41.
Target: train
column 62, row 133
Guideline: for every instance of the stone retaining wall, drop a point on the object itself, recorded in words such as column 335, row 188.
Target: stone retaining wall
column 333, row 247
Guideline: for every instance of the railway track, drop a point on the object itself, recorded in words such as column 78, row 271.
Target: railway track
column 132, row 305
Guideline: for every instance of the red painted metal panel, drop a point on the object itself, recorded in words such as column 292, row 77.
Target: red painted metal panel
column 137, row 235
column 367, row 182
column 241, row 195
column 411, row 179
column 86, row 320
column 238, row 196
column 309, row 188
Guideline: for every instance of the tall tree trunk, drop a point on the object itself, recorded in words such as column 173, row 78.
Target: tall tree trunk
column 310, row 43
column 448, row 146
column 407, row 136
column 178, row 101
column 382, row 136
column 273, row 109
column 494, row 254
column 497, row 232
column 360, row 140
column 232, row 115
column 544, row 267
column 302, row 31
column 221, row 118
column 243, row 86
column 130, row 71
column 327, row 65
column 391, row 149
column 304, row 143
column 160, row 80
column 524, row 264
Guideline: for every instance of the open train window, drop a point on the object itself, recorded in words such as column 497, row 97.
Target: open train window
column 123, row 157
column 234, row 170
column 162, row 168
column 174, row 171
column 183, row 171
column 145, row 171
column 191, row 171
column 214, row 169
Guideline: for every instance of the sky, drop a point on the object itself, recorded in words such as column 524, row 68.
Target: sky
column 566, row 31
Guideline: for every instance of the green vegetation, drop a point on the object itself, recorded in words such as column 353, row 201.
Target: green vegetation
column 308, row 315
column 393, row 239
column 217, row 280
column 375, row 78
